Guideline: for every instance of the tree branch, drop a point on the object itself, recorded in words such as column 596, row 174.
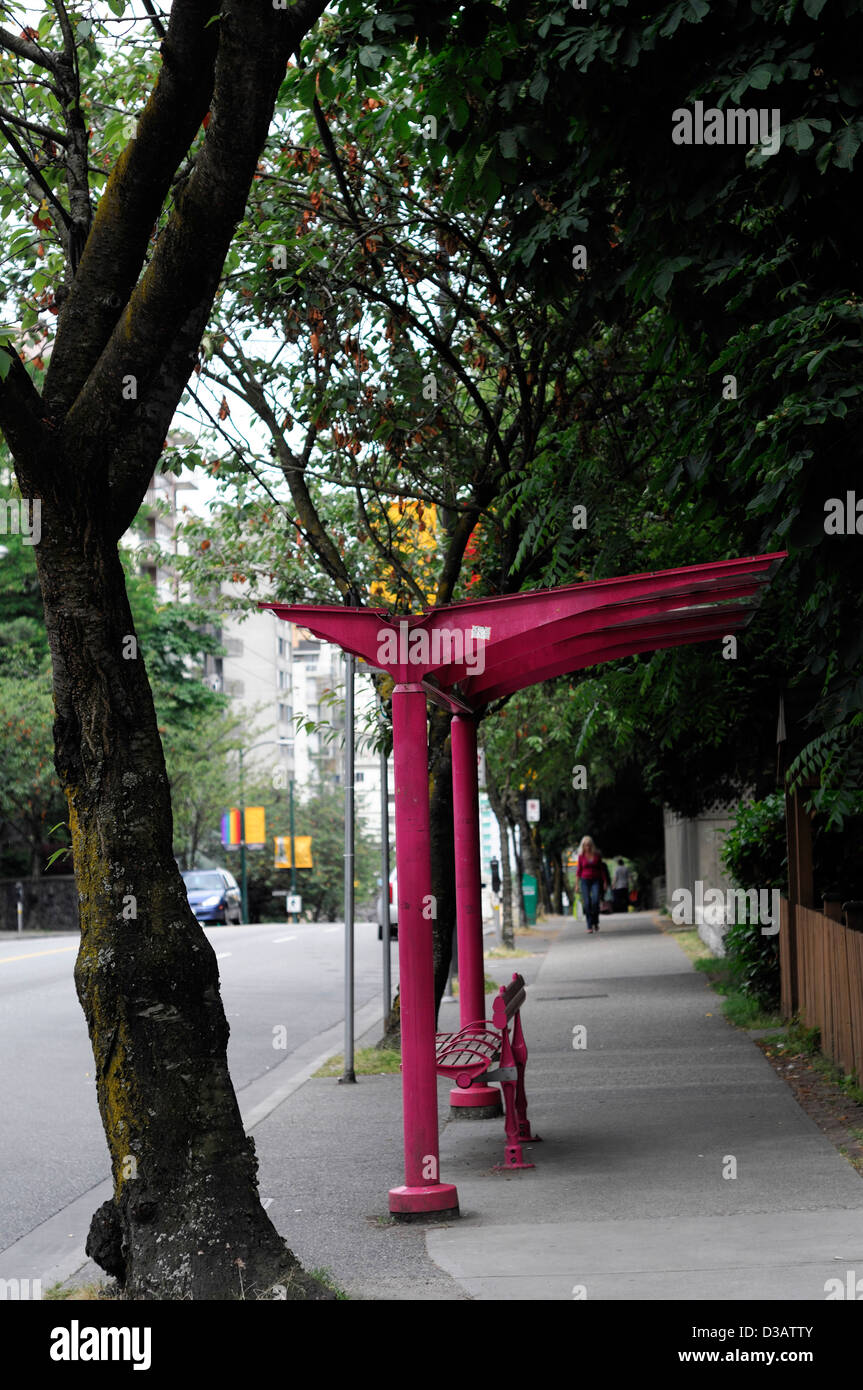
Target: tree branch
column 389, row 553
column 155, row 20
column 45, row 131
column 293, row 470
column 35, row 174
column 25, row 48
column 132, row 200
column 22, row 422
column 253, row 44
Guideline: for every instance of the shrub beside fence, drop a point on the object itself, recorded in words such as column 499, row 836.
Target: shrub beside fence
column 821, row 963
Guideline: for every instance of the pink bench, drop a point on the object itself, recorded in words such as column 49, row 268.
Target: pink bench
column 494, row 1051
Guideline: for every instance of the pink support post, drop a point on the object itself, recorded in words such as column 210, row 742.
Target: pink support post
column 422, row 1191
column 478, row 1101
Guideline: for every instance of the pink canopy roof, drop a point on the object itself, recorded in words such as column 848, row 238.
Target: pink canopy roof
column 467, row 654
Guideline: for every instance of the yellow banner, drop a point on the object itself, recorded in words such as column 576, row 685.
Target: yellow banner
column 256, row 826
column 303, row 845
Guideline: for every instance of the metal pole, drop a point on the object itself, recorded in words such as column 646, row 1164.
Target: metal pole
column 244, row 891
column 422, row 1190
column 294, row 916
column 350, row 661
column 468, row 891
column 385, row 885
column 477, row 1099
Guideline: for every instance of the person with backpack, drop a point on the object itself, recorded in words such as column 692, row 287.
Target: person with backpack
column 590, row 875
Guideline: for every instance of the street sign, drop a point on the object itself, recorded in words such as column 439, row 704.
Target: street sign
column 283, row 851
column 532, row 811
column 293, row 902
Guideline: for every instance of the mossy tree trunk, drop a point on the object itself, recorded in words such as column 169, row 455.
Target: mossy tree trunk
column 185, row 1220
column 185, row 1217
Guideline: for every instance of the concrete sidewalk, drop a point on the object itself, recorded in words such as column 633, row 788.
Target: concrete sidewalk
column 628, row 1199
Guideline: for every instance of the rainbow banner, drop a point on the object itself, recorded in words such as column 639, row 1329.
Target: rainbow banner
column 231, row 835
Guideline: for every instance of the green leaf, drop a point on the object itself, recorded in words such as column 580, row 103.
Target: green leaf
column 814, row 7
column 539, row 86
column 326, row 83
column 666, row 274
column 117, row 7
column 761, row 76
column 372, row 55
column 800, row 135
column 459, row 112
column 847, row 145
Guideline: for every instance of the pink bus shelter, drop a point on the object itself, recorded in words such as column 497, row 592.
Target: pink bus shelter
column 462, row 656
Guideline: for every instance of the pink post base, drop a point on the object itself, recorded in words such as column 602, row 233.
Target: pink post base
column 478, row 1102
column 514, row 1159
column 417, row 1201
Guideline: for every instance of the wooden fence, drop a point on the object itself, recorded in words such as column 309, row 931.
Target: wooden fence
column 821, row 962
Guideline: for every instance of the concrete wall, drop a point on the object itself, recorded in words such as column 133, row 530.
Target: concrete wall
column 50, row 904
column 692, row 850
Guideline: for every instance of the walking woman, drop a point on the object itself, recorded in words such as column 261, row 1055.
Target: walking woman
column 590, row 874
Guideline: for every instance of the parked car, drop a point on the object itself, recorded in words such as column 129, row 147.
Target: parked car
column 394, row 910
column 214, row 895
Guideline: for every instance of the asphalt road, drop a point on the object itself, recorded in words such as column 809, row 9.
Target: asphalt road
column 52, row 1147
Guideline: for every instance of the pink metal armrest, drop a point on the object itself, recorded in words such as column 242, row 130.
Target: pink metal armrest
column 495, row 1051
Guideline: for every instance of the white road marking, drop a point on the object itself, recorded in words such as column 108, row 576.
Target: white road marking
column 332, row 928
column 277, row 939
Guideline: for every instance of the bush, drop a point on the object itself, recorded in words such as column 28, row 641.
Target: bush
column 754, row 962
column 754, row 852
column 755, row 855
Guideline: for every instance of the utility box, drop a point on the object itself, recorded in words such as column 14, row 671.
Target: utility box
column 528, row 888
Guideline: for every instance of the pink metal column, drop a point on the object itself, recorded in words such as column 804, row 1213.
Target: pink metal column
column 468, row 895
column 422, row 1190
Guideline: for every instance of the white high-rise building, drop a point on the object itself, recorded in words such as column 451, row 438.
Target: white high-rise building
column 278, row 678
